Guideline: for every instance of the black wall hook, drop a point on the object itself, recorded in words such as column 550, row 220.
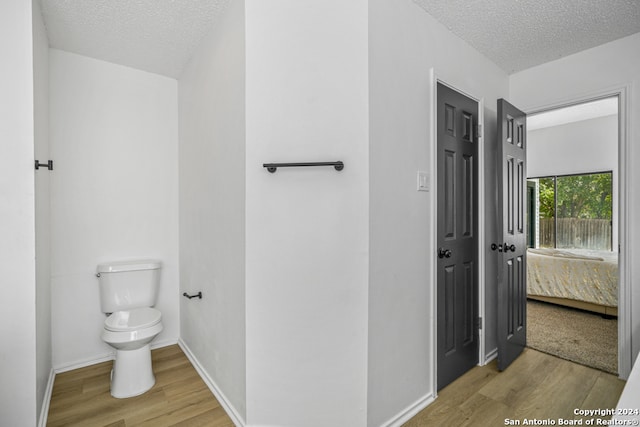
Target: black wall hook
column 198, row 295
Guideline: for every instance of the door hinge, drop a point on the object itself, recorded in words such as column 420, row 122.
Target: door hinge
column 478, row 131
column 479, row 323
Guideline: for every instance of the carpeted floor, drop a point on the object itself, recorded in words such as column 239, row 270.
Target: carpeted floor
column 579, row 336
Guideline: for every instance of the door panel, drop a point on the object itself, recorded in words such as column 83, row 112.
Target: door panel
column 449, row 189
column 457, row 275
column 468, row 196
column 449, row 307
column 512, row 291
column 469, row 289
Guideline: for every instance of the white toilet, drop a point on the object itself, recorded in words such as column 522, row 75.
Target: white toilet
column 128, row 292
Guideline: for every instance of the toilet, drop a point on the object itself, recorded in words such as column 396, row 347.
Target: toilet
column 128, row 292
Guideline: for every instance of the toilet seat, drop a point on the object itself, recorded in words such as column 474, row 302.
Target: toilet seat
column 130, row 320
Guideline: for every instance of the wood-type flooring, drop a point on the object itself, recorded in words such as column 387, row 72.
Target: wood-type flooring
column 81, row 397
column 537, row 386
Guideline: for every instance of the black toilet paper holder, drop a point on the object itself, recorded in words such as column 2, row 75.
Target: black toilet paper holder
column 198, row 295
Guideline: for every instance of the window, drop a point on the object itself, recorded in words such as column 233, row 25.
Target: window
column 571, row 211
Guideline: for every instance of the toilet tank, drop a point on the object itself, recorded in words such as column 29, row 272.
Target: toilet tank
column 128, row 284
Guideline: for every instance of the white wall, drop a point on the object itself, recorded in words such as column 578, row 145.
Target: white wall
column 18, row 405
column 405, row 42
column 602, row 69
column 578, row 147
column 307, row 229
column 42, row 211
column 212, row 205
column 114, row 192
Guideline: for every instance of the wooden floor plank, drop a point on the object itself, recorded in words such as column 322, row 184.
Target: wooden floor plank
column 605, row 393
column 482, row 411
column 519, row 380
column 175, row 410
column 564, row 389
column 212, row 418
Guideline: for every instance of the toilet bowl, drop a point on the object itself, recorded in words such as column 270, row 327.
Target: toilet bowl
column 130, row 332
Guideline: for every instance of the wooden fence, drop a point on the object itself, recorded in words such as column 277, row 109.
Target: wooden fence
column 576, row 233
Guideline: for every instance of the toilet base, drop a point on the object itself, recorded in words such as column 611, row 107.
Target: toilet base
column 132, row 373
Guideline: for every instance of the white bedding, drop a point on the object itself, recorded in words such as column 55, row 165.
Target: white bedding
column 582, row 275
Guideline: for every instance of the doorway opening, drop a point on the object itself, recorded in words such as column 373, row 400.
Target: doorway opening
column 573, row 221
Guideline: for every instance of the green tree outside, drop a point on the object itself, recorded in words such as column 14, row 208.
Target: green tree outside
column 579, row 196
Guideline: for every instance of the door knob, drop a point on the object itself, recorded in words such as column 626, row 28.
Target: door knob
column 508, row 248
column 444, row 253
column 497, row 247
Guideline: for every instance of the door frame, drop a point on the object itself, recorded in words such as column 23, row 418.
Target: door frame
column 436, row 78
column 625, row 351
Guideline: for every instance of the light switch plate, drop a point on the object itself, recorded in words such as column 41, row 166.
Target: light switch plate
column 423, row 181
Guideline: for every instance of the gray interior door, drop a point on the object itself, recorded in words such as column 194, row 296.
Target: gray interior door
column 457, row 222
column 512, row 247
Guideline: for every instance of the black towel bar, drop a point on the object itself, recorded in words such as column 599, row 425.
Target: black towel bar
column 272, row 167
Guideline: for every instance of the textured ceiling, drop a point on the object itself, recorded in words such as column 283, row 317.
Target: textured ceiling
column 158, row 36
column 574, row 113
column 518, row 34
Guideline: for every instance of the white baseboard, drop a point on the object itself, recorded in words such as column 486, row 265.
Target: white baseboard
column 490, row 356
column 46, row 400
column 104, row 357
column 410, row 411
column 163, row 343
column 222, row 399
column 83, row 363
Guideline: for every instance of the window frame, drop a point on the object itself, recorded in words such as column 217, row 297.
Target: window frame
column 532, row 220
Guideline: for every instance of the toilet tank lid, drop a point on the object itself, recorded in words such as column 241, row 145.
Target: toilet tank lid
column 119, row 266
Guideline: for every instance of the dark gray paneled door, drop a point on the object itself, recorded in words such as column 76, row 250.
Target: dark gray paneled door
column 512, row 205
column 457, row 223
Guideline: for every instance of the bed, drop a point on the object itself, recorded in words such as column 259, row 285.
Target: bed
column 582, row 279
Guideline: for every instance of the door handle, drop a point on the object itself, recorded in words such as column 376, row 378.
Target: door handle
column 503, row 247
column 444, row 253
